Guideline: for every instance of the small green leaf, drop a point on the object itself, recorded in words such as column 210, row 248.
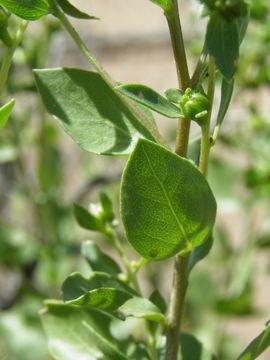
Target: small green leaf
column 108, row 299
column 90, row 111
column 150, row 98
column 107, row 206
column 71, row 10
column 226, row 95
column 157, row 299
column 200, row 252
column 78, row 333
column 87, row 220
column 222, row 40
column 174, row 95
column 5, row 112
column 97, row 260
column 76, row 285
column 257, row 346
column 27, row 9
column 166, row 203
column 142, row 309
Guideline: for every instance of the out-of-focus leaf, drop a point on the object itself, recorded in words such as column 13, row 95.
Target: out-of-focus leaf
column 200, row 252
column 157, row 299
column 79, row 333
column 5, row 112
column 97, row 260
column 142, row 309
column 87, row 220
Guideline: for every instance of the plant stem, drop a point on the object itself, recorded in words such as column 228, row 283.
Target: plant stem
column 180, row 282
column 177, row 40
column 206, row 140
column 8, row 55
column 107, row 78
column 180, row 275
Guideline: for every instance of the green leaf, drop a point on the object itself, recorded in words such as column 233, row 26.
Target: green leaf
column 257, row 346
column 78, row 333
column 193, row 349
column 87, row 220
column 166, row 203
column 141, row 308
column 71, row 10
column 76, row 285
column 150, row 98
column 107, row 206
column 97, row 260
column 222, row 39
column 5, row 112
column 226, row 95
column 200, row 252
column 89, row 111
column 27, row 9
column 157, row 299
column 108, row 299
column 194, row 150
column 174, row 95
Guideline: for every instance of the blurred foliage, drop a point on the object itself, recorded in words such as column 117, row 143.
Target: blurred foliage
column 40, row 243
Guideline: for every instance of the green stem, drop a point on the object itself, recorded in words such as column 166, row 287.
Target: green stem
column 111, row 233
column 178, row 46
column 180, row 282
column 180, row 275
column 8, row 55
column 206, row 142
column 106, row 77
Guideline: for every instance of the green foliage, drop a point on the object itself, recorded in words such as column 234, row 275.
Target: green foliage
column 97, row 260
column 27, row 9
column 151, row 99
column 71, row 10
column 257, row 346
column 195, row 105
column 89, row 111
column 142, row 309
column 181, row 222
column 226, row 95
column 79, row 333
column 5, row 112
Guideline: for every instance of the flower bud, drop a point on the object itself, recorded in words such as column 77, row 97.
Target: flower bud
column 195, row 105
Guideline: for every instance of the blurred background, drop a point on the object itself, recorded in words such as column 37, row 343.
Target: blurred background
column 42, row 173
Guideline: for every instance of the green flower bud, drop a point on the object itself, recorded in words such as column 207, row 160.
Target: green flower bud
column 195, row 105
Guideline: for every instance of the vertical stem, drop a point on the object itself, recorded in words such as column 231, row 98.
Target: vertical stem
column 205, row 142
column 8, row 55
column 180, row 275
column 177, row 40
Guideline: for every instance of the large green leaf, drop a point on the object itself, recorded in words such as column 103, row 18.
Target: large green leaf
column 257, row 346
column 142, row 309
column 79, row 333
column 27, row 9
column 223, row 41
column 151, row 99
column 166, row 203
column 71, row 10
column 89, row 111
column 5, row 112
column 97, row 260
column 76, row 285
